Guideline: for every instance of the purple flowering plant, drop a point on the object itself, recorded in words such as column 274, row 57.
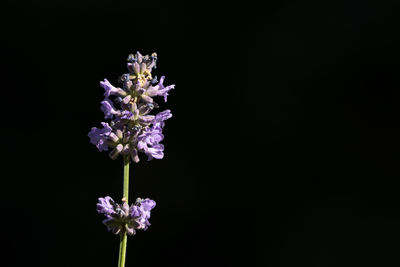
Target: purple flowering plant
column 131, row 129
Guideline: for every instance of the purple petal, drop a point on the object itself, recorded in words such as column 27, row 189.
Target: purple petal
column 155, row 151
column 108, row 108
column 160, row 89
column 98, row 137
column 148, row 204
column 161, row 117
column 105, row 206
column 109, row 89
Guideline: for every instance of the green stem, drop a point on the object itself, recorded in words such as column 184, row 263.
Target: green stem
column 124, row 239
column 126, row 178
column 122, row 249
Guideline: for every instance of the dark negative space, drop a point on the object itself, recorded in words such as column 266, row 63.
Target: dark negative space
column 282, row 149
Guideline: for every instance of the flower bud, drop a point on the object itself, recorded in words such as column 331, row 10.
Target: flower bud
column 139, row 57
column 127, row 85
column 145, row 109
column 140, row 91
column 154, row 81
column 119, row 133
column 113, row 137
column 134, row 155
column 131, row 58
column 146, row 119
column 147, row 98
column 126, row 99
column 124, row 77
column 133, row 107
column 135, row 132
column 143, row 67
column 130, row 230
column 136, row 68
column 115, row 152
column 135, row 114
column 125, row 150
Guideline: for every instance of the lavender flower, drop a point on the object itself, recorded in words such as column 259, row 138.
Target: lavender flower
column 99, row 137
column 141, row 212
column 132, row 129
column 108, row 108
column 161, row 117
column 111, row 90
column 106, row 206
column 122, row 217
column 160, row 89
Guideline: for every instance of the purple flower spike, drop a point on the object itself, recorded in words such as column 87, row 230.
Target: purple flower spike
column 132, row 129
column 122, row 217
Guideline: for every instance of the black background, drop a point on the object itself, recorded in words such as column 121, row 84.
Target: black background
column 283, row 149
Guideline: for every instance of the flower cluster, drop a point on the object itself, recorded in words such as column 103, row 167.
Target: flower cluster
column 122, row 217
column 132, row 129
